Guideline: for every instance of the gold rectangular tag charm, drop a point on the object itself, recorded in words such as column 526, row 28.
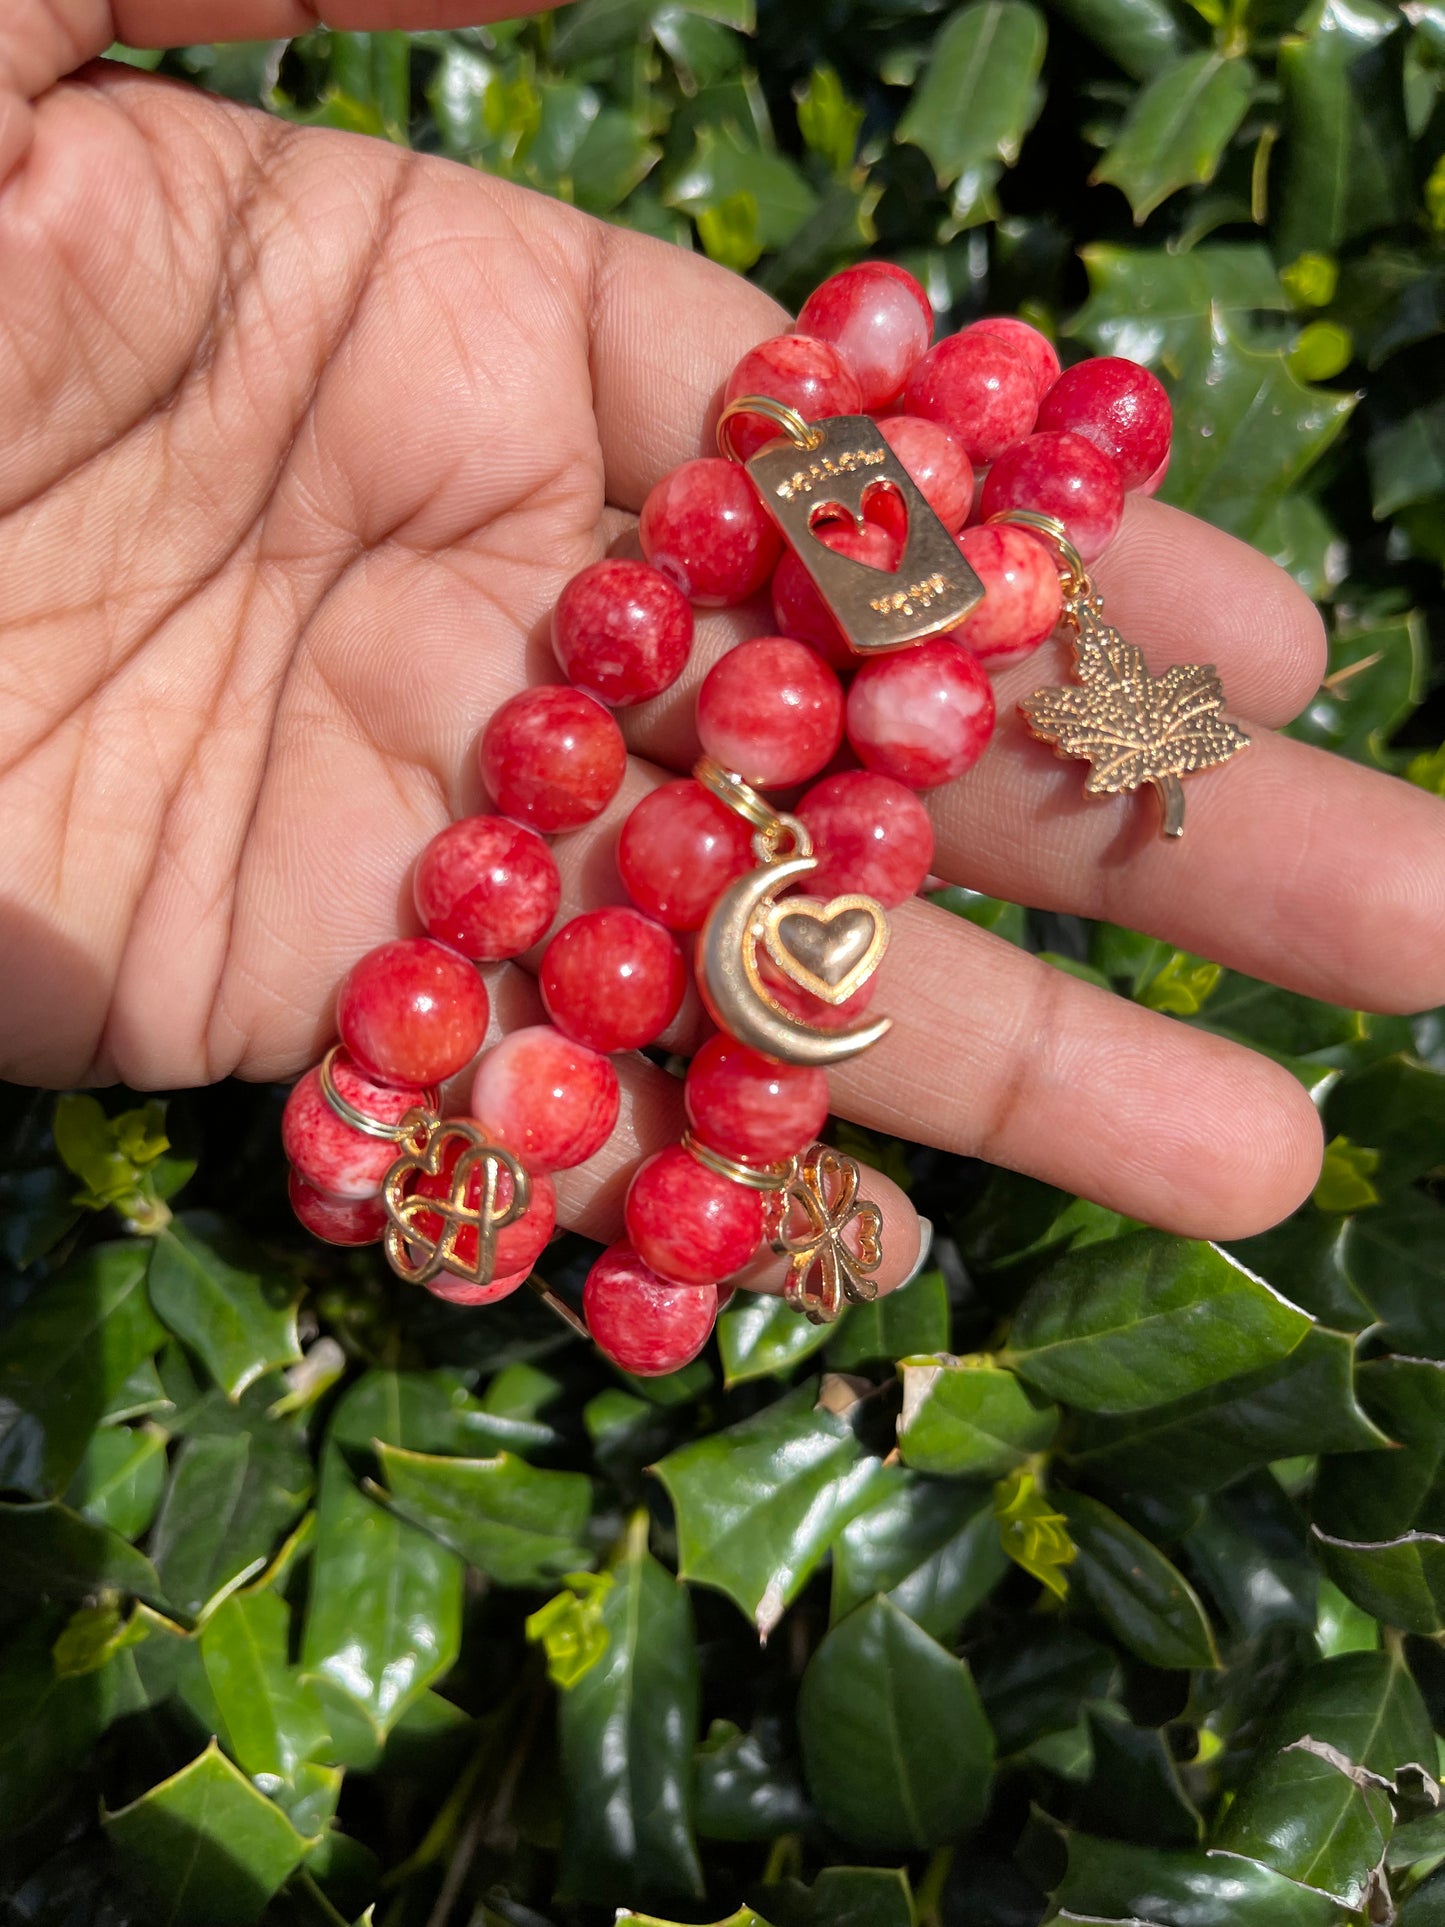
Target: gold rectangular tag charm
column 934, row 587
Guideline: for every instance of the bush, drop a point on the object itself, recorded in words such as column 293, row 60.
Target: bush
column 327, row 1598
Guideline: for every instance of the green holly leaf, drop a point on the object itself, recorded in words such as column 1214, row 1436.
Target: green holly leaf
column 760, row 1336
column 1376, row 677
column 50, row 1551
column 932, row 1546
column 1148, row 304
column 1398, row 1107
column 1147, row 1603
column 966, row 1417
column 1312, row 1806
column 896, row 1747
column 844, row 1897
column 759, row 1503
column 915, row 1319
column 238, row 1324
column 1394, row 1257
column 233, row 1493
column 64, row 1361
column 206, row 1844
column 1141, row 36
column 520, row 1526
column 1306, row 1402
column 50, row 1720
column 1246, row 429
column 1138, row 1321
column 119, row 1481
column 271, row 1716
column 977, row 97
column 1109, row 1880
column 1177, row 129
column 746, row 1788
column 627, row 1729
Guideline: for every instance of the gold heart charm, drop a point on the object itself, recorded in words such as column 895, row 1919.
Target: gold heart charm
column 830, row 949
column 452, row 1229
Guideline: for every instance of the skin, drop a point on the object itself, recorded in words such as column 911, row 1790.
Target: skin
column 304, row 435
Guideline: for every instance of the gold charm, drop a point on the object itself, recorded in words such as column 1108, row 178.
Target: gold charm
column 828, row 469
column 457, row 1233
column 825, row 1273
column 829, row 949
column 1133, row 727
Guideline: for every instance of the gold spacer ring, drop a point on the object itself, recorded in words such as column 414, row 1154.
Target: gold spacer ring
column 800, row 433
column 1076, row 580
column 756, row 1177
column 399, row 1133
column 775, row 828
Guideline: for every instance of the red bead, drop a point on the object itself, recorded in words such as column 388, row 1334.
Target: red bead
column 519, row 1244
column 337, row 1221
column 456, row 1291
column 706, row 529
column 922, row 715
column 870, row 835
column 644, row 1324
column 329, row 1154
column 488, row 887
column 552, row 757
column 679, row 849
column 1063, row 476
column 1156, row 480
column 875, row 321
column 622, row 631
column 979, row 388
column 800, row 611
column 747, row 1107
column 1118, row 406
column 771, row 710
column 551, row 1102
column 692, row 1226
column 412, row 1012
column 936, row 460
column 1037, row 350
column 804, row 374
column 613, row 979
column 1022, row 599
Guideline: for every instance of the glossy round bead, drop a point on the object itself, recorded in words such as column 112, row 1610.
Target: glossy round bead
column 979, row 388
column 329, row 1154
column 1063, row 476
column 337, row 1221
column 456, row 1291
column 412, row 1012
column 1037, row 350
column 870, row 835
column 679, row 850
column 771, row 710
column 879, row 324
column 518, row 1245
column 692, row 1226
column 705, row 528
column 808, row 375
column 622, row 631
column 552, row 757
column 613, row 979
column 1022, row 599
column 550, row 1101
column 1118, row 406
column 1156, row 480
column 488, row 887
column 644, row 1324
column 800, row 611
column 747, row 1107
column 921, row 715
column 936, row 460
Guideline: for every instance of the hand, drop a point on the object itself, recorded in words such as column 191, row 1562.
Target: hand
column 304, row 435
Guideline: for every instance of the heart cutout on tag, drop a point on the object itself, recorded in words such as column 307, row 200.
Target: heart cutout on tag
column 830, row 949
column 876, row 535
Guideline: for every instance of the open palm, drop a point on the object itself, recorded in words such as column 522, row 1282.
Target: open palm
column 303, row 436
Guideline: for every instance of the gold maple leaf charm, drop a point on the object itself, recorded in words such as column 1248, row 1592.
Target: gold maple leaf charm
column 1133, row 728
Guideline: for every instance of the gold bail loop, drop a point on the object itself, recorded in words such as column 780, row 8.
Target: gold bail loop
column 800, row 433
column 780, row 837
column 1076, row 580
column 410, row 1129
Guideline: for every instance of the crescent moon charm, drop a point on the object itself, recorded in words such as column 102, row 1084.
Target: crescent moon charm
column 727, row 960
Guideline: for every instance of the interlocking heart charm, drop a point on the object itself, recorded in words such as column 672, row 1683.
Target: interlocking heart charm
column 830, row 949
column 451, row 1227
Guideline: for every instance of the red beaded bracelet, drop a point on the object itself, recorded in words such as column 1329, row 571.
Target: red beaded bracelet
column 897, row 583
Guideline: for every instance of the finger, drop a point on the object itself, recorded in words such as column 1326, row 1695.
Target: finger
column 590, row 1198
column 1292, row 864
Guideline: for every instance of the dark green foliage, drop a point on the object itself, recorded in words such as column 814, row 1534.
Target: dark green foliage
column 294, row 1628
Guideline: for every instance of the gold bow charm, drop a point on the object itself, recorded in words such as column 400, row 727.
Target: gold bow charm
column 825, row 1272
